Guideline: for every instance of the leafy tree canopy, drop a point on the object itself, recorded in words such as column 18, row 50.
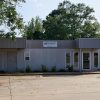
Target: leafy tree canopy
column 34, row 29
column 9, row 17
column 71, row 21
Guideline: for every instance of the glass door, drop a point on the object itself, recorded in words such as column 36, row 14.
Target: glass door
column 86, row 60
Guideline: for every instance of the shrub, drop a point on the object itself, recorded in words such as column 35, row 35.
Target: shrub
column 28, row 69
column 44, row 68
column 70, row 68
column 53, row 69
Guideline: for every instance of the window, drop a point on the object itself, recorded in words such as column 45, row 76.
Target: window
column 95, row 59
column 86, row 60
column 76, row 59
column 67, row 58
column 27, row 55
column 26, row 58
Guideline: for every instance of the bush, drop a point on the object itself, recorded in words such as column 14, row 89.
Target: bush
column 70, row 68
column 53, row 69
column 28, row 69
column 44, row 68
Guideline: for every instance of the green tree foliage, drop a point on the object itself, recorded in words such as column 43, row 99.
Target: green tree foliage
column 9, row 17
column 34, row 29
column 71, row 21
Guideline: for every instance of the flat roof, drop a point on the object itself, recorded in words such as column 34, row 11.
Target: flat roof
column 61, row 44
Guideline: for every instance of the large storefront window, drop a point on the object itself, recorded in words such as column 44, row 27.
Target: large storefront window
column 95, row 59
column 76, row 59
column 67, row 59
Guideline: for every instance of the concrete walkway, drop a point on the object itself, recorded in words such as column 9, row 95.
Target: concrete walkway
column 76, row 87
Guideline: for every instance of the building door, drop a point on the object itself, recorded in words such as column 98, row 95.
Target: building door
column 86, row 60
column 11, row 61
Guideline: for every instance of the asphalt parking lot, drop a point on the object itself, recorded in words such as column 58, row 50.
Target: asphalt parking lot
column 68, row 87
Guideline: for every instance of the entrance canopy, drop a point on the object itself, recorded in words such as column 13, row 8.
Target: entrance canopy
column 88, row 43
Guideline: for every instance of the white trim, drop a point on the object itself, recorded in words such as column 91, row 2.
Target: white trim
column 80, row 60
column 89, row 60
column 74, row 56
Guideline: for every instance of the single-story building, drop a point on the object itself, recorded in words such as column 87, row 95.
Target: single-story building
column 83, row 54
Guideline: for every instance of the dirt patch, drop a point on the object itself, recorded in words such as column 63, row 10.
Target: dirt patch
column 1, row 84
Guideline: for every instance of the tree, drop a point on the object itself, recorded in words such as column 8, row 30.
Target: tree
column 9, row 17
column 71, row 21
column 34, row 29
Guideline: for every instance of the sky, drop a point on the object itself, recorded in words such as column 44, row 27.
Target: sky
column 42, row 8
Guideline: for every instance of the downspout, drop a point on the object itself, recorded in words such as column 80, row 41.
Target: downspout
column 80, row 60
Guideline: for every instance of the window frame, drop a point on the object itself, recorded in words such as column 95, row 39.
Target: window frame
column 66, row 59
column 27, row 55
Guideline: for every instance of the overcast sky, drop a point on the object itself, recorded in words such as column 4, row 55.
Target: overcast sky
column 42, row 8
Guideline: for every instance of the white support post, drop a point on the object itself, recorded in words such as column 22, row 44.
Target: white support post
column 80, row 60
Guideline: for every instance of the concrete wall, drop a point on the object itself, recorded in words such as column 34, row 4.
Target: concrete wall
column 8, row 59
column 53, row 57
column 48, row 57
column 3, row 61
column 20, row 60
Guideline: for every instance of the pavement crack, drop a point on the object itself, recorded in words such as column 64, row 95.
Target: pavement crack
column 10, row 88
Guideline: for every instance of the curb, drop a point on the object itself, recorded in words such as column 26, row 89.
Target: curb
column 48, row 73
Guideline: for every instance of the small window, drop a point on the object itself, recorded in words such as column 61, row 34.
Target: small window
column 27, row 58
column 67, row 58
column 95, row 59
column 27, row 55
column 76, row 59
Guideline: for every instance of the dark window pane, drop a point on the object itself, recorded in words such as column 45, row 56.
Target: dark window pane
column 76, row 59
column 95, row 59
column 86, row 61
column 68, row 58
column 26, row 58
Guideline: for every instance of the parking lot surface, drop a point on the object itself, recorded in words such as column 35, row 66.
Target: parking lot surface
column 68, row 87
